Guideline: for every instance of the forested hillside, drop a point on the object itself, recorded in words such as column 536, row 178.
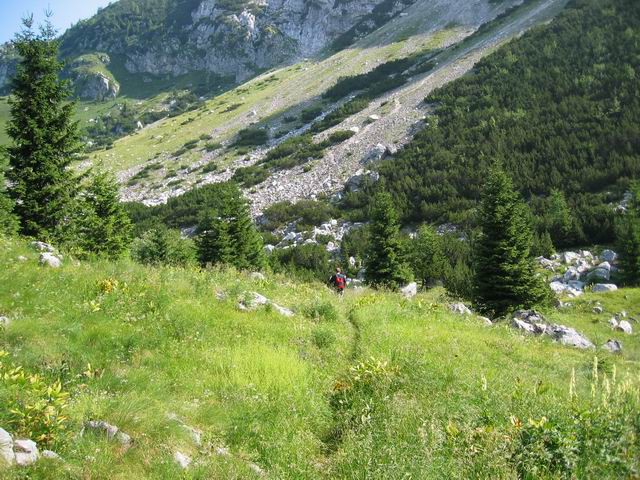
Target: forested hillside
column 560, row 107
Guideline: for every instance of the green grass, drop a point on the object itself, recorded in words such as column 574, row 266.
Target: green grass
column 370, row 386
column 4, row 118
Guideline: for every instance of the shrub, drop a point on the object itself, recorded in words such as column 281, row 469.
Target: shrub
column 32, row 407
column 252, row 137
column 321, row 311
column 161, row 245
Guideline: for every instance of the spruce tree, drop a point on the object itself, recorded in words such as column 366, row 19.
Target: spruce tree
column 8, row 221
column 385, row 265
column 505, row 273
column 44, row 136
column 229, row 236
column 628, row 240
column 106, row 228
column 427, row 258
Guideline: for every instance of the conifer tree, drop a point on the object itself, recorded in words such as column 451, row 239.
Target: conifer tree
column 505, row 274
column 427, row 257
column 229, row 236
column 8, row 221
column 628, row 240
column 44, row 136
column 385, row 265
column 106, row 228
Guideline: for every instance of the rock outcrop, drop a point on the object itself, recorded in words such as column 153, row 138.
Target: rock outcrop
column 534, row 323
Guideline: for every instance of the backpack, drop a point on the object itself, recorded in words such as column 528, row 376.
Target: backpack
column 341, row 281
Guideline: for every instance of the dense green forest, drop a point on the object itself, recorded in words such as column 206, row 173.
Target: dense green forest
column 559, row 106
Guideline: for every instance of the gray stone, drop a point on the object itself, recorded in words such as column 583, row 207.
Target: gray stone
column 7, row 456
column 257, row 276
column 522, row 325
column 569, row 257
column 608, row 256
column 184, row 461
column 43, row 247
column 571, row 274
column 598, row 309
column 625, row 327
column 459, row 308
column 614, row 346
column 604, row 287
column 599, row 274
column 487, row 321
column 410, row 290
column 26, row 452
column 111, row 431
column 50, row 260
column 269, row 248
column 282, row 310
column 568, row 336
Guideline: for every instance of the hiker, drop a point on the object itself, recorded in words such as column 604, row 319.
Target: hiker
column 339, row 281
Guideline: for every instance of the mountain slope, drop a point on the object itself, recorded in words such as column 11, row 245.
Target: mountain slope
column 368, row 386
column 270, row 101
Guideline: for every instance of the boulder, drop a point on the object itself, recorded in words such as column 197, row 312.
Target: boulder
column 608, row 256
column 598, row 309
column 572, row 273
column 604, row 287
column 26, row 452
column 487, row 321
column 522, row 325
column 373, row 118
column 258, row 300
column 459, row 308
column 184, row 461
column 269, row 249
column 4, row 321
column 352, row 262
column 410, row 290
column 377, row 153
column 568, row 336
column 558, row 287
column 625, row 327
column 599, row 274
column 7, row 457
column 50, row 260
column 614, row 346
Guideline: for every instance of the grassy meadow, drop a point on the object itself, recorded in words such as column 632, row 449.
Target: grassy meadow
column 369, row 386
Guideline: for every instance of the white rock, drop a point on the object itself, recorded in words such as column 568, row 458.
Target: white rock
column 522, row 325
column 258, row 299
column 26, row 452
column 569, row 257
column 7, row 456
column 352, row 262
column 4, row 321
column 50, row 260
column 598, row 309
column 604, row 287
column 568, row 336
column 374, row 118
column 111, row 431
column 282, row 310
column 410, row 290
column 487, row 321
column 572, row 273
column 625, row 327
column 181, row 459
column 558, row 287
column 459, row 308
column 51, row 455
column 269, row 248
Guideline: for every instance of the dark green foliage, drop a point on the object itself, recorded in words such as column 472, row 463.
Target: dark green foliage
column 105, row 226
column 250, row 176
column 427, row 258
column 553, row 216
column 561, row 105
column 356, row 243
column 505, row 274
column 252, row 137
column 340, row 136
column 306, row 262
column 352, row 107
column 163, row 246
column 628, row 240
column 542, row 245
column 309, row 114
column 228, row 235
column 384, row 77
column 179, row 212
column 307, row 214
column 44, row 138
column 386, row 266
column 8, row 221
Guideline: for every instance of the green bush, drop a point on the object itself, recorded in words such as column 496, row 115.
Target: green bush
column 252, row 137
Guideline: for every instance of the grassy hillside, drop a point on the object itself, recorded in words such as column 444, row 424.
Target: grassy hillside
column 371, row 386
